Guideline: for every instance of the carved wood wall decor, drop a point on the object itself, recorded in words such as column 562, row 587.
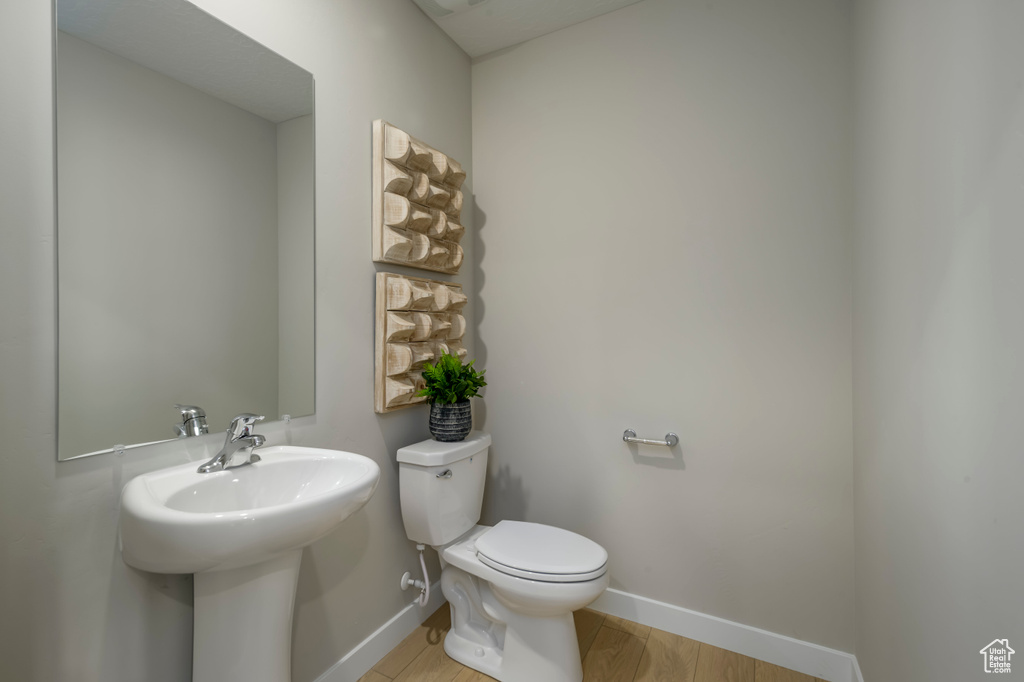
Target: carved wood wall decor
column 417, row 321
column 417, row 203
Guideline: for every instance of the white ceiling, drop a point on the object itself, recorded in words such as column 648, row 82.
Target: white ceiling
column 483, row 26
column 183, row 42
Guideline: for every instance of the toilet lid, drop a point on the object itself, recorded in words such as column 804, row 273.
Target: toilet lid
column 539, row 552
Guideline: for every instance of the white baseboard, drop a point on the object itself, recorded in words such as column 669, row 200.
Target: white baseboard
column 810, row 659
column 357, row 662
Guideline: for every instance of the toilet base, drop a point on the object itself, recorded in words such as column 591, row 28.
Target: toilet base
column 485, row 659
column 509, row 646
column 535, row 651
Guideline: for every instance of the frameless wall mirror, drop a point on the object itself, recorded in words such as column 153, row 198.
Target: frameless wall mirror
column 185, row 227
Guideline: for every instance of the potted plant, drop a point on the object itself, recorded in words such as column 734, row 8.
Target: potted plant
column 449, row 386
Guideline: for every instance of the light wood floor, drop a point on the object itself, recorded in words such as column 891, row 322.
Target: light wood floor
column 612, row 649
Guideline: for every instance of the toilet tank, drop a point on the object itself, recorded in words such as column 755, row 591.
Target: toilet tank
column 442, row 487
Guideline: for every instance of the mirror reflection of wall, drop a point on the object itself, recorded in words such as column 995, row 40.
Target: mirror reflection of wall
column 185, row 243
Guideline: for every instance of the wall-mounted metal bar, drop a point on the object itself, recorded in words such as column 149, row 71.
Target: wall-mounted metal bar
column 671, row 439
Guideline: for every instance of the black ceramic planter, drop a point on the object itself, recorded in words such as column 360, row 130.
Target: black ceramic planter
column 452, row 422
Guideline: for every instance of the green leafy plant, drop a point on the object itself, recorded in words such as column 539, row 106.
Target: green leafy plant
column 449, row 381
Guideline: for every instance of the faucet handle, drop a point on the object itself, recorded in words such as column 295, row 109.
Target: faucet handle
column 241, row 425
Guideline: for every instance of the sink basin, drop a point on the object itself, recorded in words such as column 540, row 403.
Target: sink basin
column 179, row 521
column 241, row 531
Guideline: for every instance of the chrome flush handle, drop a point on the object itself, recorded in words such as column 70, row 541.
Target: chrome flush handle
column 447, row 473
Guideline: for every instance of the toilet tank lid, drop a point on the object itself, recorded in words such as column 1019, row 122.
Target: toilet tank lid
column 431, row 453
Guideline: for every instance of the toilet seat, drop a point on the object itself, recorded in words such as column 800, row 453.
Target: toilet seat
column 543, row 553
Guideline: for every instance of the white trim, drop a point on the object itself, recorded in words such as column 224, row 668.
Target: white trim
column 358, row 662
column 856, row 671
column 805, row 657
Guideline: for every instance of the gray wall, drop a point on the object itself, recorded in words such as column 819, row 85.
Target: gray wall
column 295, row 308
column 168, row 253
column 664, row 198
column 939, row 336
column 71, row 609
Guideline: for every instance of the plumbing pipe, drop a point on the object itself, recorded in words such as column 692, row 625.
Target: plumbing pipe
column 422, row 585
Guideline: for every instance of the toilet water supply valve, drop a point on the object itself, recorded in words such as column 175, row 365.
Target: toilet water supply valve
column 422, row 585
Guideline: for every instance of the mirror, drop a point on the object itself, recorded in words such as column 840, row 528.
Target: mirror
column 185, row 224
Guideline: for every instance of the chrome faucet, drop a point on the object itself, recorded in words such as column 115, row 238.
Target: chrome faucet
column 193, row 421
column 239, row 437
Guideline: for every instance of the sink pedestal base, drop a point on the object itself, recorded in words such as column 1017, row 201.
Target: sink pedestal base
column 243, row 622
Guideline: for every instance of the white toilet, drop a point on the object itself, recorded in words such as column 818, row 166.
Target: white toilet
column 513, row 587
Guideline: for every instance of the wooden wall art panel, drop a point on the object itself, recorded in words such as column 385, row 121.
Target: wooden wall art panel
column 417, row 203
column 417, row 321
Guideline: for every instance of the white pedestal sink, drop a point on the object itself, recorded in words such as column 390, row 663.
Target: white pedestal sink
column 241, row 531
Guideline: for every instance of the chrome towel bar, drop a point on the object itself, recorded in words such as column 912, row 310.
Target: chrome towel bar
column 671, row 439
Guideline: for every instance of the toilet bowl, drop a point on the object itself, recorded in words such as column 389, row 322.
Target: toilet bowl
column 512, row 587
